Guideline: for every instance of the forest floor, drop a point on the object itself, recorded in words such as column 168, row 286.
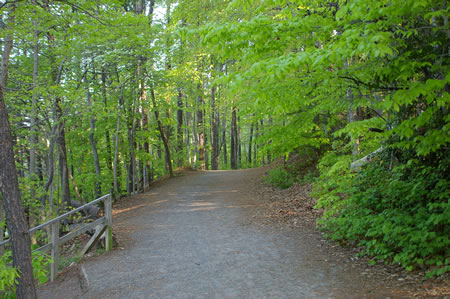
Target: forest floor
column 223, row 234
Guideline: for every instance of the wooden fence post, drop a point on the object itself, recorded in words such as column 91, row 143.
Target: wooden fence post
column 55, row 240
column 108, row 216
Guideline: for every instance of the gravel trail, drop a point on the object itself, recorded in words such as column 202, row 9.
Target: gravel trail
column 194, row 237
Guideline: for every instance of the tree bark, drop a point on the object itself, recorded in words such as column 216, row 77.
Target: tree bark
column 224, row 138
column 250, row 145
column 261, row 133
column 107, row 132
column 9, row 187
column 200, row 131
column 205, row 133
column 117, row 190
column 233, row 141
column 56, row 72
column 161, row 132
column 255, row 148
column 15, row 217
column 33, row 118
column 238, row 142
column 214, row 131
column 180, row 128
column 131, row 131
column 98, row 186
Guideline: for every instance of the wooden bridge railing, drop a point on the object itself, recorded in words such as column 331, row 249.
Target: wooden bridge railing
column 101, row 225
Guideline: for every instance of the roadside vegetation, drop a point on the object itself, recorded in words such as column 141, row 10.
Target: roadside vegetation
column 107, row 96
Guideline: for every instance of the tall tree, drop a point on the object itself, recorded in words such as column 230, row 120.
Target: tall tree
column 9, row 185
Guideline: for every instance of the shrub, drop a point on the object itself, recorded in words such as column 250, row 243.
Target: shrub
column 280, row 178
column 9, row 275
column 401, row 216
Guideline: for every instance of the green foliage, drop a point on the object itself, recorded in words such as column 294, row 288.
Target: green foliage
column 279, row 177
column 40, row 262
column 9, row 274
column 401, row 216
column 327, row 75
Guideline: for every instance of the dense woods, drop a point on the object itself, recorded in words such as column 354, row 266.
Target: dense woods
column 107, row 96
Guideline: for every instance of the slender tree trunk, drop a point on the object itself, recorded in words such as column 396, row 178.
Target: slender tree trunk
column 233, row 141
column 9, row 188
column 62, row 160
column 117, row 190
column 98, row 186
column 224, row 138
column 200, row 129
column 250, row 145
column 33, row 118
column 239, row 143
column 256, row 145
column 150, row 11
column 195, row 140
column 34, row 121
column 180, row 128
column 161, row 132
column 147, row 178
column 107, row 132
column 269, row 155
column 131, row 133
column 262, row 132
column 187, row 137
column 50, row 162
column 167, row 133
column 56, row 73
column 205, row 133
column 214, row 131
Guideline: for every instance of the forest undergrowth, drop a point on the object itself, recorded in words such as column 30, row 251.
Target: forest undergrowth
column 391, row 216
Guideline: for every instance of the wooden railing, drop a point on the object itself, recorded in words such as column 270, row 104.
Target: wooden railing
column 101, row 225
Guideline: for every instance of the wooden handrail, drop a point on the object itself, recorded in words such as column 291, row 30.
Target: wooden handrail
column 60, row 217
column 104, row 222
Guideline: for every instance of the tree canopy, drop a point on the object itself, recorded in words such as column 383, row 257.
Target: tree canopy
column 107, row 96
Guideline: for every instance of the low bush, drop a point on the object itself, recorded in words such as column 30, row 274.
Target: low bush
column 400, row 215
column 280, row 178
column 9, row 274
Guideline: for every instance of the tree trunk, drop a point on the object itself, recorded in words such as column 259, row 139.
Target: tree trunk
column 15, row 217
column 233, row 141
column 56, row 72
column 147, row 178
column 98, row 186
column 33, row 118
column 214, row 131
column 161, row 132
column 256, row 146
column 187, row 137
column 200, row 129
column 205, row 133
column 238, row 142
column 9, row 187
column 131, row 128
column 107, row 132
column 250, row 145
column 117, row 190
column 224, row 138
column 262, row 132
column 180, row 128
column 269, row 155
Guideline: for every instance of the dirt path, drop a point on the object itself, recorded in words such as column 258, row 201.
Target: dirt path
column 193, row 237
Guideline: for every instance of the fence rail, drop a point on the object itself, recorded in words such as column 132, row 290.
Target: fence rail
column 101, row 225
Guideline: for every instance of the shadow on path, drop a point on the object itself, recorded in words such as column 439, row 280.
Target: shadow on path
column 192, row 237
